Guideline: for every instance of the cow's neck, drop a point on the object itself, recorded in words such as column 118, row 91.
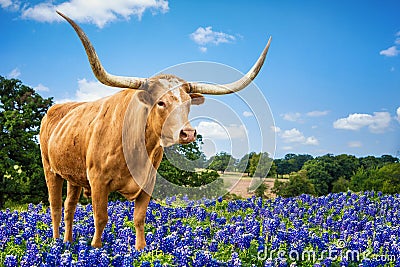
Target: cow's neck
column 142, row 148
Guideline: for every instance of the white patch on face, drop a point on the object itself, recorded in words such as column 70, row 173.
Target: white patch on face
column 177, row 94
column 173, row 85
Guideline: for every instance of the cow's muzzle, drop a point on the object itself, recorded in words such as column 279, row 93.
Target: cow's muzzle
column 187, row 135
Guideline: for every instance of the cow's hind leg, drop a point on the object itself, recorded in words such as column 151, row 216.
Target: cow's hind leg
column 139, row 217
column 54, row 185
column 73, row 194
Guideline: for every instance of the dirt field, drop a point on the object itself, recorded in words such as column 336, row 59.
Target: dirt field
column 240, row 184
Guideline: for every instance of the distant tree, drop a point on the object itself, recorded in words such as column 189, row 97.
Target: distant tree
column 244, row 163
column 179, row 166
column 370, row 162
column 359, row 178
column 21, row 171
column 260, row 191
column 282, row 166
column 298, row 161
column 298, row 184
column 319, row 176
column 385, row 179
column 220, row 162
column 291, row 163
column 389, row 159
column 347, row 166
column 272, row 170
column 260, row 165
column 390, row 174
column 232, row 165
column 340, row 185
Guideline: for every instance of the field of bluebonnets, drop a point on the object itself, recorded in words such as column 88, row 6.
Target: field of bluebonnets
column 345, row 229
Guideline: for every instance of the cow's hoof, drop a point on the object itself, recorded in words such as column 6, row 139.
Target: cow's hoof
column 96, row 244
column 140, row 246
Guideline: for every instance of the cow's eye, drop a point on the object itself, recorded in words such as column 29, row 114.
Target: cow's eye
column 161, row 104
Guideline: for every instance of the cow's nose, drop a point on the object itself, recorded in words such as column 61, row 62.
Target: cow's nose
column 187, row 135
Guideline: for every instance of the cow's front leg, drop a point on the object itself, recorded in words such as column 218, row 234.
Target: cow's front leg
column 139, row 217
column 99, row 202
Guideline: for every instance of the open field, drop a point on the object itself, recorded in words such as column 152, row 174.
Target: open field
column 240, row 184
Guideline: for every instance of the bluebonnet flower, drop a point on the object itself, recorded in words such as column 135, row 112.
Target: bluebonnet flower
column 364, row 221
column 235, row 261
column 11, row 261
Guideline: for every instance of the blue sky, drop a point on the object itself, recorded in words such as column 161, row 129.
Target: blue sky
column 331, row 78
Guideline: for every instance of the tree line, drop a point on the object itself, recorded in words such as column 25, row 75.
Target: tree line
column 330, row 173
column 298, row 174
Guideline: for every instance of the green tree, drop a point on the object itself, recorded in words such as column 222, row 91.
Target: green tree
column 178, row 167
column 298, row 184
column 389, row 159
column 261, row 165
column 347, row 166
column 260, row 191
column 21, row 171
column 319, row 176
column 370, row 162
column 244, row 164
column 390, row 174
column 340, row 185
column 359, row 178
column 221, row 162
column 385, row 179
column 291, row 163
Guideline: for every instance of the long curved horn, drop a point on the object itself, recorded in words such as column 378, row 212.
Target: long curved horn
column 101, row 74
column 215, row 89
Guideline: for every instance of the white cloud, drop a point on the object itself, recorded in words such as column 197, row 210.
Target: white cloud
column 5, row 3
column 214, row 130
column 312, row 141
column 14, row 74
column 11, row 5
column 291, row 116
column 317, row 113
column 95, row 12
column 354, row 144
column 393, row 50
column 205, row 36
column 295, row 136
column 390, row 52
column 376, row 123
column 275, row 129
column 41, row 88
column 287, row 147
column 248, row 114
column 203, row 49
column 398, row 114
column 90, row 91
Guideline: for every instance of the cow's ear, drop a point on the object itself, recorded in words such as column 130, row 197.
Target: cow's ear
column 197, row 99
column 144, row 97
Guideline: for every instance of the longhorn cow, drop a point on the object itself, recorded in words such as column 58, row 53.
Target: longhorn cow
column 116, row 143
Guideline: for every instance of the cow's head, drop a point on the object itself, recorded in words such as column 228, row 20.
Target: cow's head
column 168, row 96
column 169, row 99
